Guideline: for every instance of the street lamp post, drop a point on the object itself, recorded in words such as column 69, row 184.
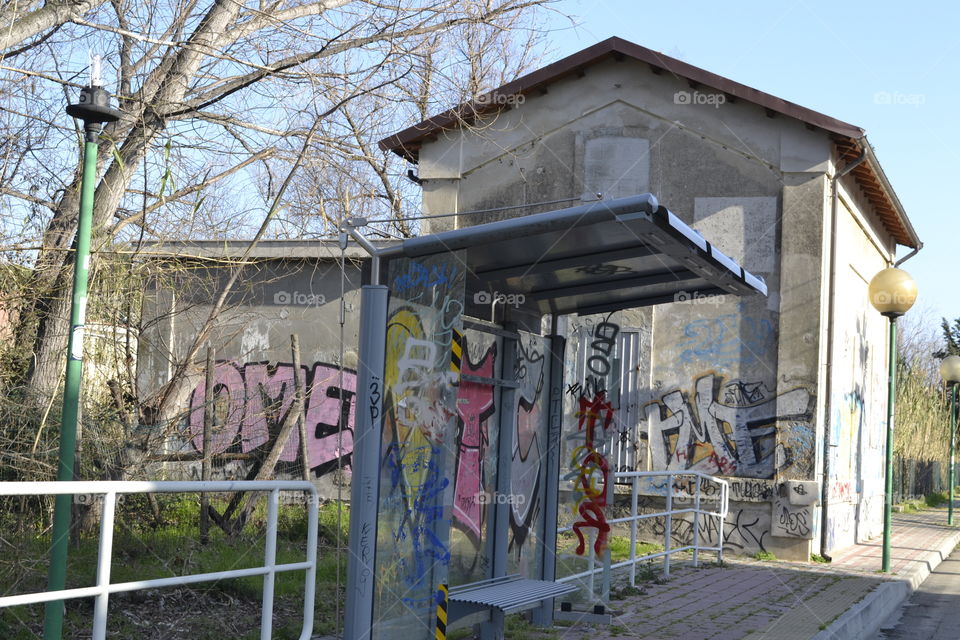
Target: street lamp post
column 892, row 292
column 950, row 371
column 94, row 110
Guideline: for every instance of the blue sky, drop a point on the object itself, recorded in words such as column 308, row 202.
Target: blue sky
column 890, row 68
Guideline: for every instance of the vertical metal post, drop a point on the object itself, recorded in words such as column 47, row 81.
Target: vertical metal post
column 270, row 562
column 607, row 555
column 365, row 492
column 696, row 524
column 951, row 478
column 888, row 474
column 724, row 506
column 53, row 615
column 500, row 508
column 543, row 615
column 634, row 490
column 104, row 557
column 668, row 526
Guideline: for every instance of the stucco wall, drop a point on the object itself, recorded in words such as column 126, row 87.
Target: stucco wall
column 857, row 420
column 730, row 384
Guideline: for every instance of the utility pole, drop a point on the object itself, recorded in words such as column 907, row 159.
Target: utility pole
column 94, row 110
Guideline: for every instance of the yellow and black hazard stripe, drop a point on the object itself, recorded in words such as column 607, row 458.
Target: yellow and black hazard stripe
column 443, row 595
column 456, row 354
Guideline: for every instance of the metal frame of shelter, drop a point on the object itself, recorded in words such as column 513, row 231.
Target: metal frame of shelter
column 595, row 258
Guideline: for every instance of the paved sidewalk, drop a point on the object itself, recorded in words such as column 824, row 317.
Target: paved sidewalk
column 751, row 600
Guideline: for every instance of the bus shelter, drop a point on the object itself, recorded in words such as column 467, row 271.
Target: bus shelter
column 456, row 463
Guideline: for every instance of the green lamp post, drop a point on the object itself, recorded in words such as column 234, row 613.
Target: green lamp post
column 892, row 292
column 94, row 110
column 950, row 371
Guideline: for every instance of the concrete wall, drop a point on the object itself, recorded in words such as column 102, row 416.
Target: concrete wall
column 254, row 375
column 731, row 384
column 858, row 393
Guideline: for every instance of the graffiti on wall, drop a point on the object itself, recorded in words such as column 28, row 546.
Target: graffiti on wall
column 728, row 340
column 255, row 398
column 527, row 455
column 589, row 465
column 419, row 426
column 591, row 472
column 476, row 464
column 729, row 428
column 475, row 405
column 744, row 531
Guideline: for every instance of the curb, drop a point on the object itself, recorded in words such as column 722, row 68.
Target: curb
column 864, row 619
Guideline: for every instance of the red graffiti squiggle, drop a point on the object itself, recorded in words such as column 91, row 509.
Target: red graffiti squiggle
column 592, row 516
column 593, row 494
column 590, row 411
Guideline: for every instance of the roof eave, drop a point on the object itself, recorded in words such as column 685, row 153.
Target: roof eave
column 878, row 171
column 406, row 143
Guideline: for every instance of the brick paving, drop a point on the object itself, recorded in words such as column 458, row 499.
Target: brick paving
column 752, row 600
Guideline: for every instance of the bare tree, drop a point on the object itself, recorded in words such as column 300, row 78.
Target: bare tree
column 219, row 97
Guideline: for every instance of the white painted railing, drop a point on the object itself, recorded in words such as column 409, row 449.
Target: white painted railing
column 104, row 587
column 721, row 500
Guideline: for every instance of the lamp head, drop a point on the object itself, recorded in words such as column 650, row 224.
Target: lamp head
column 950, row 369
column 892, row 292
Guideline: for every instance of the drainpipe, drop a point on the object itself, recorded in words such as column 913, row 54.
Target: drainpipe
column 908, row 256
column 831, row 286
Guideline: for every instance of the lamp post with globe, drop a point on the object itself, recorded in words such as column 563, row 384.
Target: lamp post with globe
column 892, row 292
column 950, row 371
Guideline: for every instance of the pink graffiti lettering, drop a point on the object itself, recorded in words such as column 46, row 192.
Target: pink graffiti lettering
column 258, row 397
column 474, row 406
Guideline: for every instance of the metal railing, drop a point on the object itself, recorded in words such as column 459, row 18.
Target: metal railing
column 110, row 489
column 668, row 493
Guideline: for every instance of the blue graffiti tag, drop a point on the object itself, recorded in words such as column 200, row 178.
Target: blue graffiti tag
column 727, row 339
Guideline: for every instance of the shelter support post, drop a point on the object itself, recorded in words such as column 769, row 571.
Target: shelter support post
column 543, row 615
column 493, row 629
column 365, row 493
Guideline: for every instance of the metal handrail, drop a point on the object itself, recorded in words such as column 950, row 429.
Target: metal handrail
column 103, row 588
column 668, row 513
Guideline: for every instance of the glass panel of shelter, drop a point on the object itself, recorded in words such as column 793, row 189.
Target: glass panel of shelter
column 503, row 393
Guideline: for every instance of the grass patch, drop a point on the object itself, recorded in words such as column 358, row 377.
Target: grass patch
column 764, row 556
column 208, row 610
column 937, row 499
column 569, row 563
column 817, row 558
column 626, row 592
column 909, row 506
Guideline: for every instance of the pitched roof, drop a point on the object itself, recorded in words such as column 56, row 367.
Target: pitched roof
column 850, row 139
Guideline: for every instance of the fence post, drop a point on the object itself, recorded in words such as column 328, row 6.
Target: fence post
column 668, row 526
column 104, row 557
column 696, row 523
column 633, row 532
column 270, row 562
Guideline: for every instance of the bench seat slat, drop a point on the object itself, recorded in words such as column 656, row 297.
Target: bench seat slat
column 511, row 595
